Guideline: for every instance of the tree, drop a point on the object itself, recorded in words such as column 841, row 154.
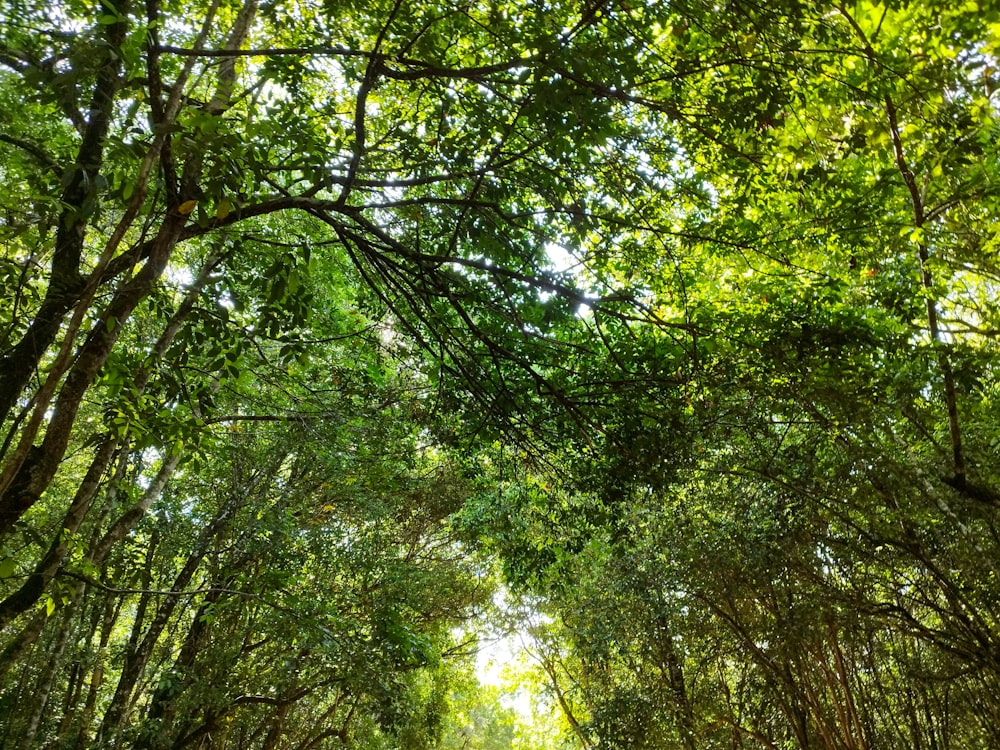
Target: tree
column 758, row 400
column 727, row 563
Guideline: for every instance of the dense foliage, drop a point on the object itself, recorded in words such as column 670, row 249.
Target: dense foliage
column 324, row 323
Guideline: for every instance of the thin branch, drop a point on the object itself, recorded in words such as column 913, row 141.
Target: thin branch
column 90, row 581
column 47, row 161
column 414, row 69
column 923, row 253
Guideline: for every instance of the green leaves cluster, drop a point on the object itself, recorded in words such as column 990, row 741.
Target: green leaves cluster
column 680, row 315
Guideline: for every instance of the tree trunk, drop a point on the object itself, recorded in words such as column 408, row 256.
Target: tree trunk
column 162, row 706
column 97, row 675
column 65, row 282
column 141, row 649
column 40, row 697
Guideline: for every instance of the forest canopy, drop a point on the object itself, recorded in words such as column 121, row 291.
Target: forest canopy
column 336, row 334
